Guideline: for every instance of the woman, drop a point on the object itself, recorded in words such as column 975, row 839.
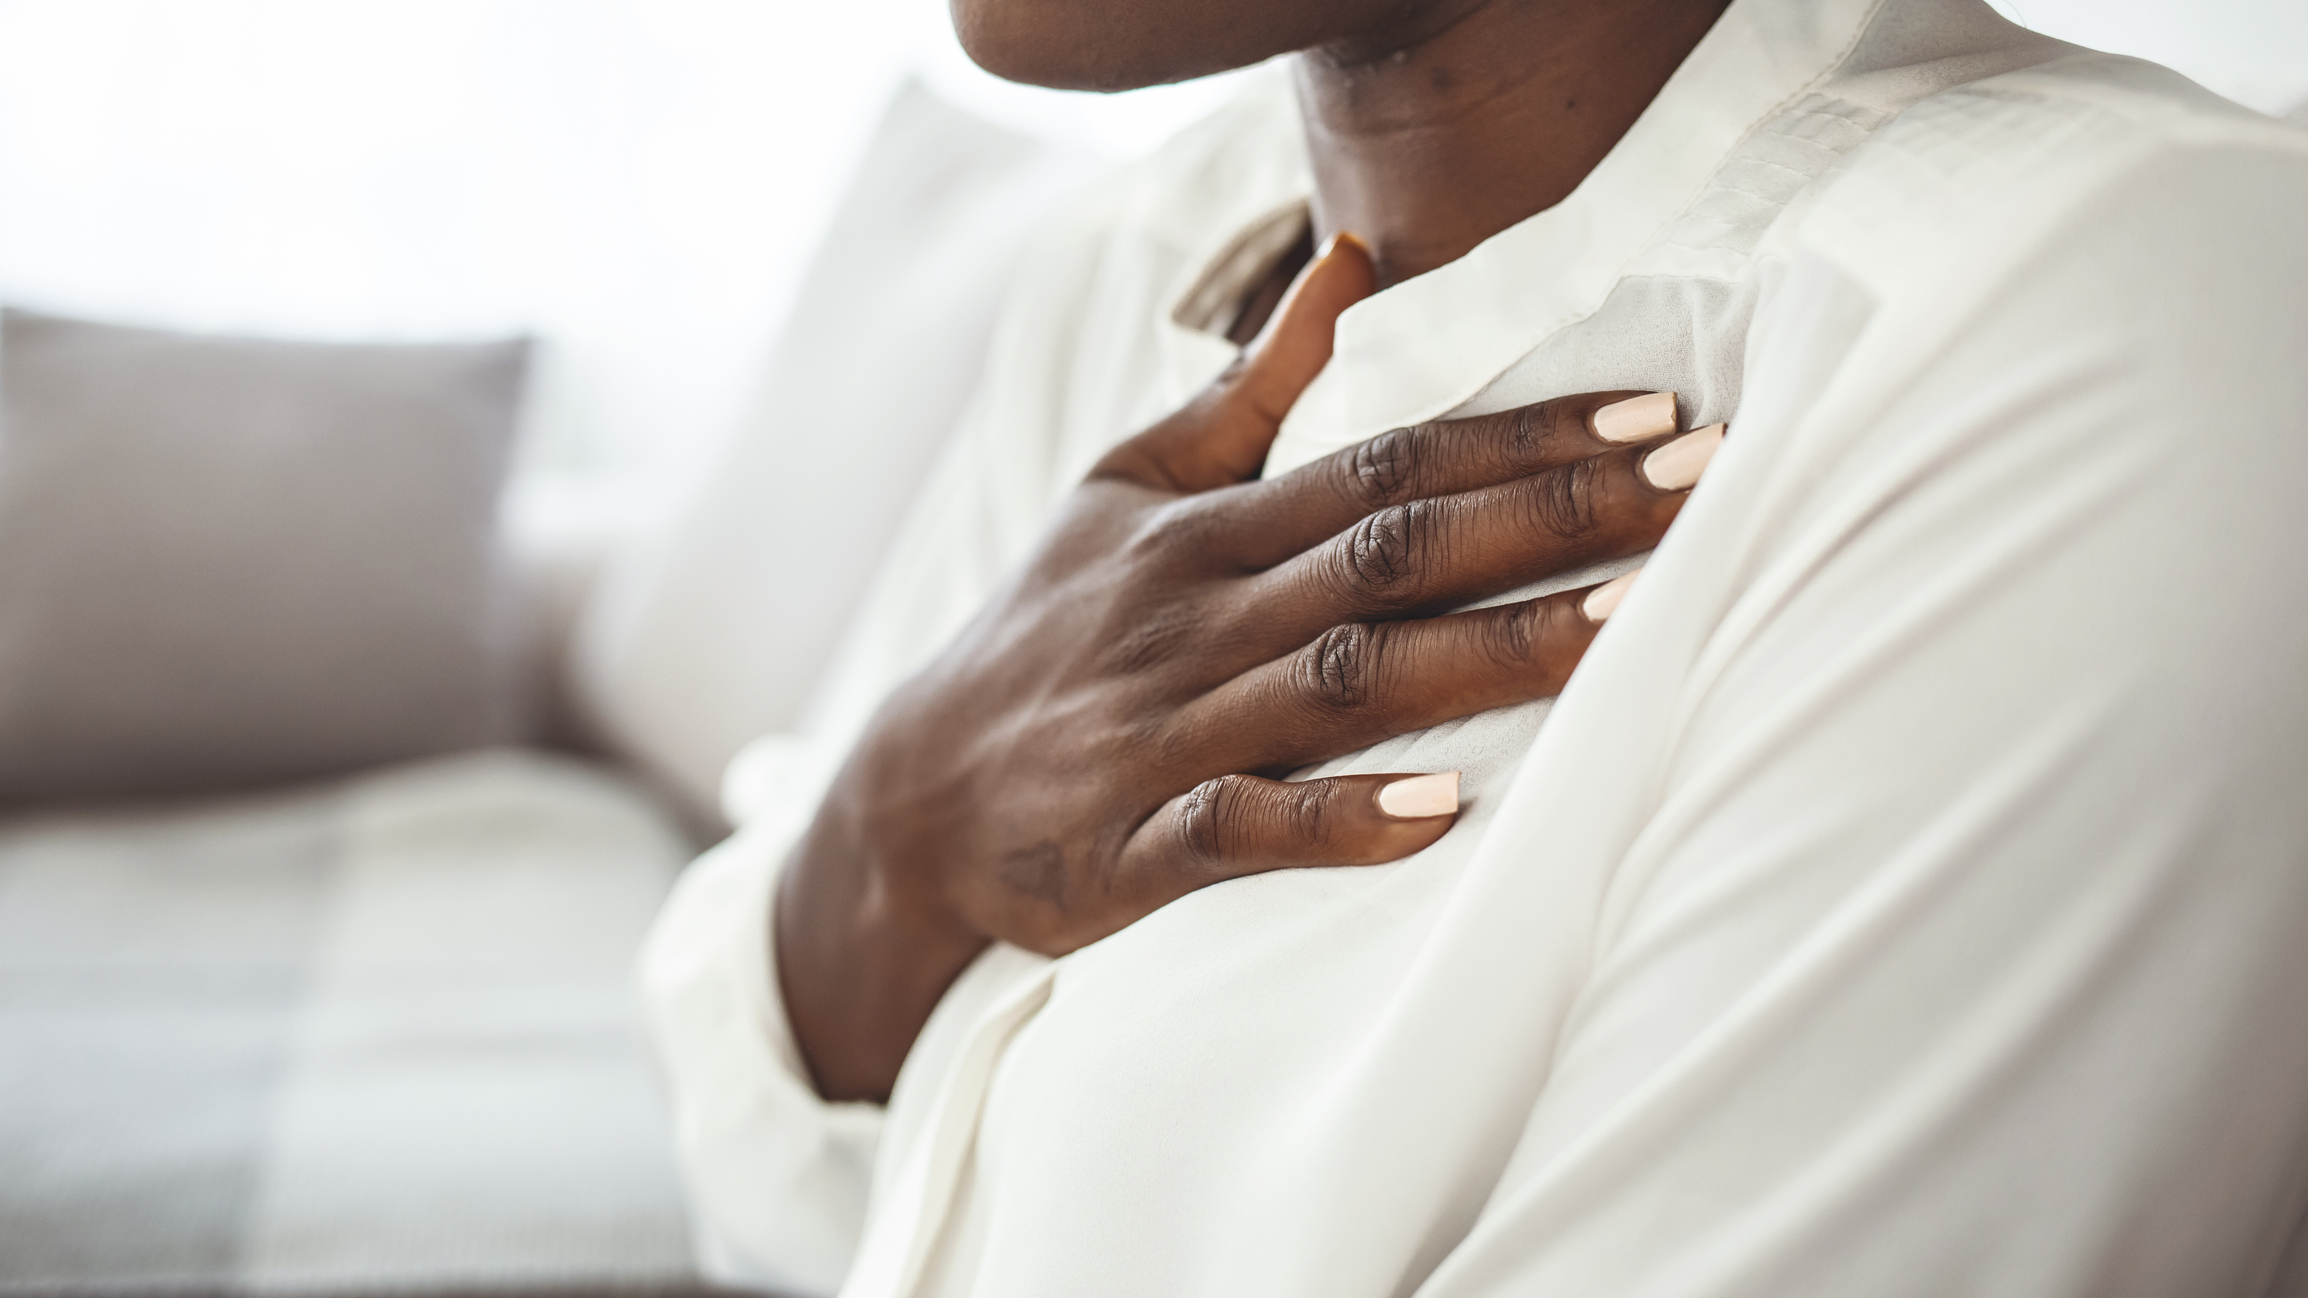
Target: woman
column 1903, row 897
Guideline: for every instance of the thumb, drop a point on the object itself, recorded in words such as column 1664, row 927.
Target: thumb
column 1222, row 436
column 1296, row 341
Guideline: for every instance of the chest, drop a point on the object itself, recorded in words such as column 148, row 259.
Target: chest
column 1173, row 1087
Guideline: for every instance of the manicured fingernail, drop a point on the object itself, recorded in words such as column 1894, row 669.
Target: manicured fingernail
column 1603, row 600
column 1347, row 237
column 1679, row 463
column 1637, row 419
column 1421, row 796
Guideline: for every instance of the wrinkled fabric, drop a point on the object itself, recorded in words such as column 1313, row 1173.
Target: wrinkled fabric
column 1906, row 895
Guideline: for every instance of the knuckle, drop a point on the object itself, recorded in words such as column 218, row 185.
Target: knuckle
column 1225, row 820
column 1382, row 551
column 1172, row 742
column 1154, row 457
column 1512, row 639
column 1562, row 503
column 1170, row 532
column 1381, row 470
column 1305, row 813
column 1338, row 672
column 1147, row 640
column 1526, row 432
column 1205, row 816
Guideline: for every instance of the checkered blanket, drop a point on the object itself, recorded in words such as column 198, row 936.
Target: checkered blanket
column 371, row 1036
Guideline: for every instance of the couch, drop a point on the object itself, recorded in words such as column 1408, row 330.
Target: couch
column 364, row 1024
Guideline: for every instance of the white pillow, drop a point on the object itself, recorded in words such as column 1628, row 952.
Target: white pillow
column 716, row 631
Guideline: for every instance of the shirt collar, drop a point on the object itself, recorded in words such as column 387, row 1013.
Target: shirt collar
column 1427, row 345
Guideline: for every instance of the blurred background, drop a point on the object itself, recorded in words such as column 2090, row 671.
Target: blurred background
column 638, row 182
column 436, row 438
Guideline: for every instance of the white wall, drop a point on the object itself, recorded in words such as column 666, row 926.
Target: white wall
column 2253, row 51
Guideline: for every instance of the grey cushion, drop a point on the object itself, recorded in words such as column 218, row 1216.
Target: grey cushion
column 228, row 561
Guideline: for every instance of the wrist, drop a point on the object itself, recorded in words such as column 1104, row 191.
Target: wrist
column 866, row 945
column 883, row 844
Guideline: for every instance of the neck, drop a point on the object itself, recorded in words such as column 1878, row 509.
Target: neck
column 1428, row 140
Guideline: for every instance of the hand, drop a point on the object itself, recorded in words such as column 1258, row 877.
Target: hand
column 1104, row 737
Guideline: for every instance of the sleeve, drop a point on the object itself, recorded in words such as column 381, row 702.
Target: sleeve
column 1964, row 947
column 777, row 1178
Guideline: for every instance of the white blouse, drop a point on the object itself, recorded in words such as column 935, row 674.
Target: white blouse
column 1908, row 895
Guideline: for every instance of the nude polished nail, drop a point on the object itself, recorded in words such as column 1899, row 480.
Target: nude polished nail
column 1679, row 463
column 1637, row 419
column 1421, row 797
column 1603, row 600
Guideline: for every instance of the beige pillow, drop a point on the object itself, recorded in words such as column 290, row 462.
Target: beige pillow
column 227, row 561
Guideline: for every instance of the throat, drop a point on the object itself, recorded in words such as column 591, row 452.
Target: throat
column 1426, row 142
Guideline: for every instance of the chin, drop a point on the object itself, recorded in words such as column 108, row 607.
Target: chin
column 1111, row 44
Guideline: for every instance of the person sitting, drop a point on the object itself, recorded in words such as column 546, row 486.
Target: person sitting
column 1212, row 877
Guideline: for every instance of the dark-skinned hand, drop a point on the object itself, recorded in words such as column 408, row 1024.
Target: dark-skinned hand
column 1107, row 735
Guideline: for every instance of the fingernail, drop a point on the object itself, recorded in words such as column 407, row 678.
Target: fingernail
column 1679, row 463
column 1637, row 419
column 1347, row 237
column 1603, row 600
column 1421, row 796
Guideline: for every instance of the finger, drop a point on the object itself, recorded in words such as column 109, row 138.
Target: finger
column 1426, row 556
column 1242, row 824
column 1362, row 682
column 1295, row 344
column 1268, row 522
column 1222, row 435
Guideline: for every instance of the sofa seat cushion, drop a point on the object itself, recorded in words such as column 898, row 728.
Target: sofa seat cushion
column 371, row 1035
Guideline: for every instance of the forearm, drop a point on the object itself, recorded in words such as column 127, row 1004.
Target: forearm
column 861, row 963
